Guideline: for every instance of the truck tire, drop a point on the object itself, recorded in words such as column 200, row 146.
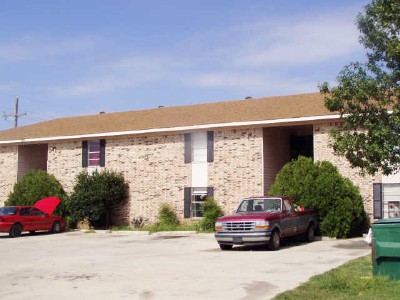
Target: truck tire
column 310, row 234
column 275, row 241
column 225, row 247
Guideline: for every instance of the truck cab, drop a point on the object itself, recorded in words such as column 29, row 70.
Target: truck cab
column 264, row 221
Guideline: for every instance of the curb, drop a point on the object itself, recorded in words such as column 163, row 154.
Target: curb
column 131, row 232
column 138, row 232
column 175, row 233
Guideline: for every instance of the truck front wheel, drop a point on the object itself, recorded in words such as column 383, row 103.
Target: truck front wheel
column 275, row 241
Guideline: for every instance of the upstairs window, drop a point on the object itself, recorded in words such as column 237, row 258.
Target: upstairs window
column 199, row 147
column 93, row 153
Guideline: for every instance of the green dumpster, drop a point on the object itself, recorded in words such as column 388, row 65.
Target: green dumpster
column 386, row 248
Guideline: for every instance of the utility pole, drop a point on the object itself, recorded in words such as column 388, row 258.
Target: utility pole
column 16, row 114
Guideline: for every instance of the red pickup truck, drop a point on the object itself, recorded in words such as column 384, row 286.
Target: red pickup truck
column 264, row 221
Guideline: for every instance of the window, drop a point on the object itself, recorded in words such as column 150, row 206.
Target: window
column 261, row 204
column 197, row 197
column 24, row 211
column 8, row 211
column 394, row 209
column 35, row 212
column 93, row 153
column 199, row 147
column 288, row 207
column 193, row 198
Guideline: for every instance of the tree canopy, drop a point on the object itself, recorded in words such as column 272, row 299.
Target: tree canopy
column 96, row 197
column 368, row 94
column 36, row 185
column 319, row 185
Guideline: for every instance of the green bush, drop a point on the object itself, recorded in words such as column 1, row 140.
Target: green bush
column 36, row 185
column 211, row 212
column 96, row 197
column 319, row 185
column 167, row 218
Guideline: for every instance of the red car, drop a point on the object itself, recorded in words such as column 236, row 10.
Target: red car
column 16, row 219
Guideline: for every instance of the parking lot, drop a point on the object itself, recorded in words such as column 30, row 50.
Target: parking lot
column 124, row 265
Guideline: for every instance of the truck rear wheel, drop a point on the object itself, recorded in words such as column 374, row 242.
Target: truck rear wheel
column 225, row 247
column 275, row 241
column 310, row 234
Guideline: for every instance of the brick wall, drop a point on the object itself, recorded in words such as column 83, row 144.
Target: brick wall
column 276, row 153
column 237, row 171
column 323, row 152
column 155, row 170
column 65, row 162
column 8, row 171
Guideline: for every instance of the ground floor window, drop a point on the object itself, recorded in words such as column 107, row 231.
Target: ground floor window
column 386, row 200
column 198, row 196
column 394, row 209
column 194, row 197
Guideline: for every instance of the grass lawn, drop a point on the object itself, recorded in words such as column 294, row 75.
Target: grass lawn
column 353, row 280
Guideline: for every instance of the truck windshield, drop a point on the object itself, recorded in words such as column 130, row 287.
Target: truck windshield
column 260, row 205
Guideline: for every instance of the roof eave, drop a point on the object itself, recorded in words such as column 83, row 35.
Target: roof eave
column 172, row 129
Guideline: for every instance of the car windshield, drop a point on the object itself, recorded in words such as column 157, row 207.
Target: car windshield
column 8, row 211
column 260, row 205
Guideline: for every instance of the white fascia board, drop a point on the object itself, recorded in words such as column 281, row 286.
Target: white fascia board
column 171, row 129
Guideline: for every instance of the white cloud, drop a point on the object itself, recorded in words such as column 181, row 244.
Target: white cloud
column 253, row 82
column 120, row 73
column 304, row 42
column 258, row 56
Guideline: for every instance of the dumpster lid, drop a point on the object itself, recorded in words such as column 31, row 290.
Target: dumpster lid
column 388, row 221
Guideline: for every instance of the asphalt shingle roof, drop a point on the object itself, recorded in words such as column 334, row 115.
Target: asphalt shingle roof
column 248, row 110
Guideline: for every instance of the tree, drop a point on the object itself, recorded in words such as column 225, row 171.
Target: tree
column 320, row 186
column 36, row 185
column 368, row 94
column 97, row 196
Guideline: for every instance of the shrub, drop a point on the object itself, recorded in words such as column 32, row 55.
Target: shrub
column 167, row 219
column 96, row 197
column 211, row 212
column 319, row 185
column 36, row 185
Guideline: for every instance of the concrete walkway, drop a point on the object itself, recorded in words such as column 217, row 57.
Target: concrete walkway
column 122, row 265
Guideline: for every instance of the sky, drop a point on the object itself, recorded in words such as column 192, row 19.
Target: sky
column 70, row 57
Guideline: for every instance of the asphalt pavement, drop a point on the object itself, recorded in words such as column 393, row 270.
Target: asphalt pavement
column 124, row 265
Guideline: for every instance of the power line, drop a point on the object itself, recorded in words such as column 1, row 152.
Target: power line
column 16, row 113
